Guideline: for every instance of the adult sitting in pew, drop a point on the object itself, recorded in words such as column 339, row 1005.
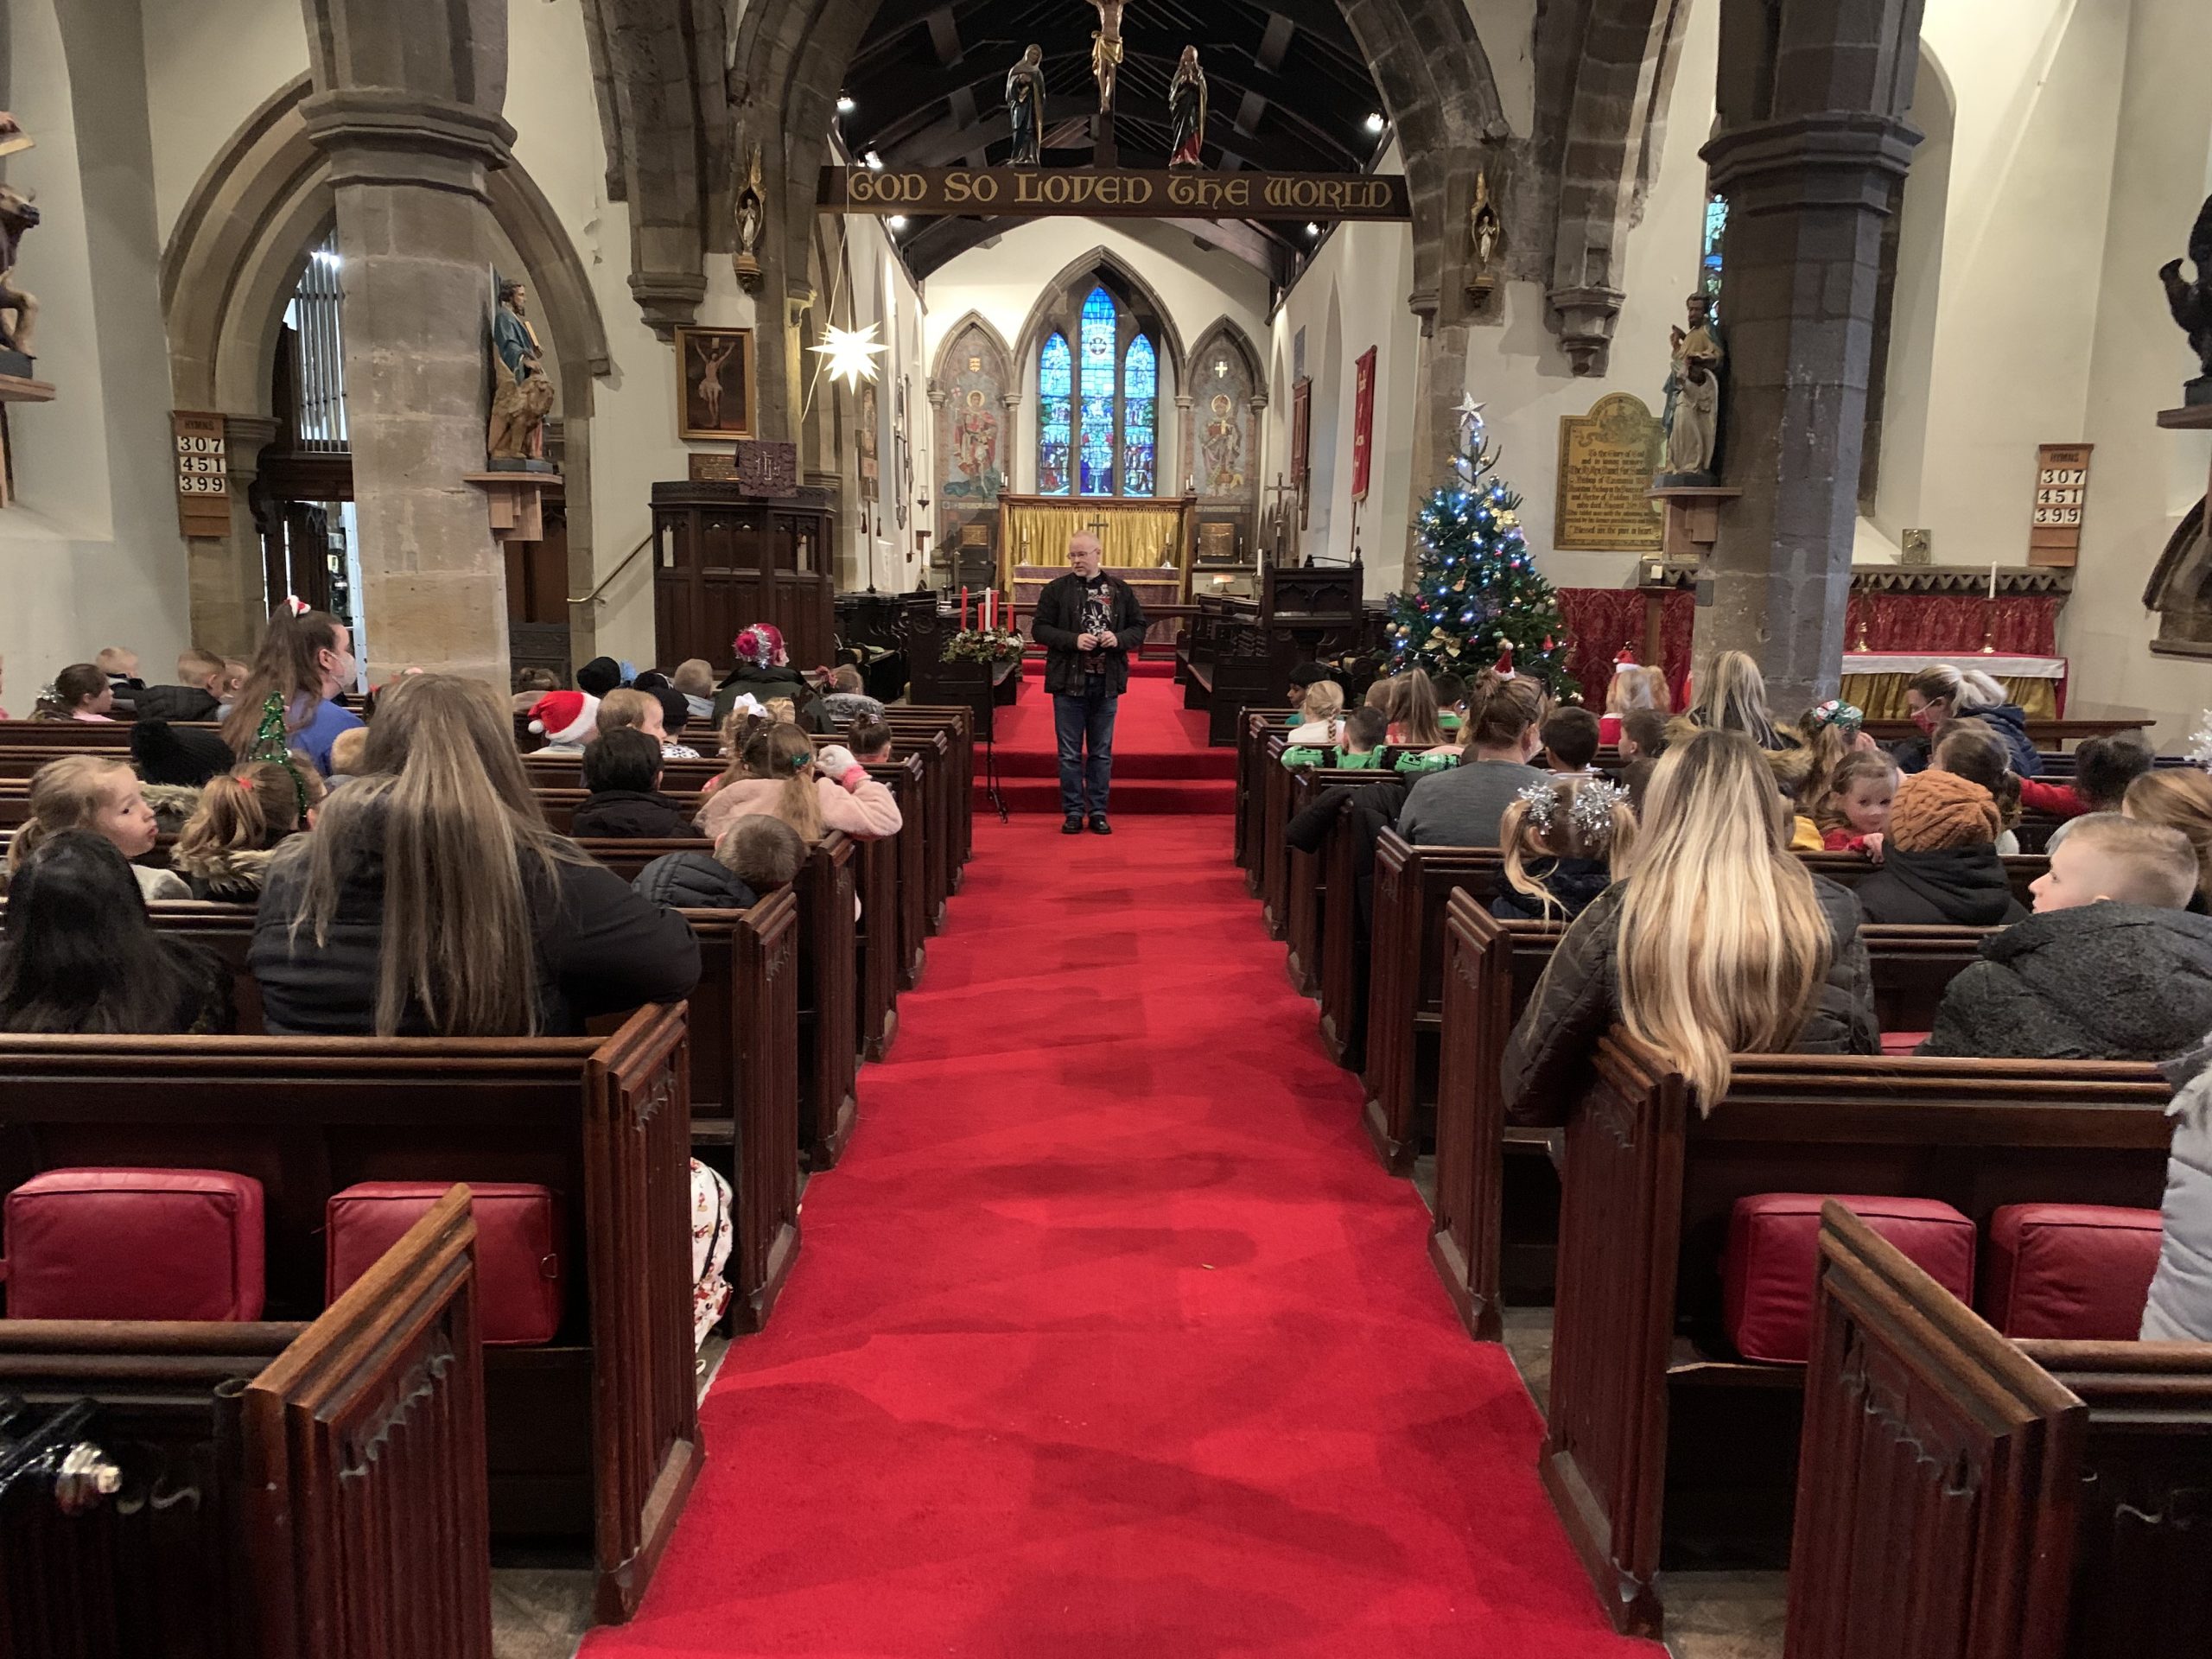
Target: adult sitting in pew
column 433, row 901
column 623, row 771
column 1720, row 943
column 2111, row 967
column 91, row 791
column 306, row 659
column 77, row 953
column 1462, row 807
column 244, row 816
column 1943, row 691
column 2180, row 798
column 1940, row 865
column 783, row 775
column 1731, row 696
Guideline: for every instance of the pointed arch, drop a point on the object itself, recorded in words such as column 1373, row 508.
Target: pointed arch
column 941, row 373
column 1138, row 294
column 1220, row 447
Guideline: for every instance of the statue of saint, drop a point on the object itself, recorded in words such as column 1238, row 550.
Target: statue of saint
column 1106, row 51
column 1025, row 107
column 1692, row 416
column 522, row 395
column 751, row 207
column 1186, row 110
column 2191, row 302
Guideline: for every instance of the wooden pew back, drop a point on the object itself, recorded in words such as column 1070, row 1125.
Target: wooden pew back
column 296, row 1443
column 594, row 1435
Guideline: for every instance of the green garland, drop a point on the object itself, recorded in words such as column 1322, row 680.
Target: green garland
column 984, row 646
column 272, row 742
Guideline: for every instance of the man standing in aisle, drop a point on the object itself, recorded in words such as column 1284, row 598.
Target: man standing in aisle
column 1089, row 623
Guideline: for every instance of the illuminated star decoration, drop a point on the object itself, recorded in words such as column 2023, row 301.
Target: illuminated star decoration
column 850, row 353
column 1470, row 416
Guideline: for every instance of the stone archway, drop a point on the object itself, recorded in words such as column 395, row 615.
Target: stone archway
column 226, row 275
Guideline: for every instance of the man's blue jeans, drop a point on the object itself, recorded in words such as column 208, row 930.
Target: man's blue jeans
column 1085, row 719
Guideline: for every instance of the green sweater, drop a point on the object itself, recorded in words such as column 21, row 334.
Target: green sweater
column 1309, row 757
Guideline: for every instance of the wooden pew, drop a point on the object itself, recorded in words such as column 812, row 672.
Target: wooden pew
column 828, row 981
column 1256, row 724
column 332, row 1474
column 1663, row 1447
column 2053, row 1492
column 1497, row 1216
column 1325, row 928
column 1413, row 885
column 594, row 1436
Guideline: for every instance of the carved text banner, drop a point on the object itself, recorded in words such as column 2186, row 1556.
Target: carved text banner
column 1026, row 193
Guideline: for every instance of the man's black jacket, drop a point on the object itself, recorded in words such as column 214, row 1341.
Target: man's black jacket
column 1057, row 624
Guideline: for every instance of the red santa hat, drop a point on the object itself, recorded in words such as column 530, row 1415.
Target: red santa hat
column 1626, row 659
column 1503, row 668
column 564, row 716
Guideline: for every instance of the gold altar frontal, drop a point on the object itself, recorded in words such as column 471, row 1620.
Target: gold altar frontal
column 1156, row 537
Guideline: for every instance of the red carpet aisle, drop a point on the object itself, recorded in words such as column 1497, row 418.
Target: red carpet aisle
column 1110, row 1339
column 1161, row 763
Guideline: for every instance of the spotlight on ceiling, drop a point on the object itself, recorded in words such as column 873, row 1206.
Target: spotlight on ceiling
column 1312, row 229
column 845, row 106
column 897, row 221
column 874, row 161
column 1375, row 122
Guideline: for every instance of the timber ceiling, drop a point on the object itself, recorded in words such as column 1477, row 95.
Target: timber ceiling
column 1287, row 91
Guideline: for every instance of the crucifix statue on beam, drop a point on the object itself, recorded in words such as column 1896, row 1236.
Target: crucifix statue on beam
column 1106, row 51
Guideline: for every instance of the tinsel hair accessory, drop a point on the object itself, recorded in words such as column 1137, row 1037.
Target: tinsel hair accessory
column 1589, row 816
column 1845, row 717
column 272, row 742
column 2200, row 742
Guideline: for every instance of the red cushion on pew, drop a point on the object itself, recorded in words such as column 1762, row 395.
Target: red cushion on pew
column 519, row 1244
column 1902, row 1042
column 2074, row 1272
column 1773, row 1253
column 135, row 1244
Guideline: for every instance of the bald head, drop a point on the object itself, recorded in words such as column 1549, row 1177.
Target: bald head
column 1084, row 553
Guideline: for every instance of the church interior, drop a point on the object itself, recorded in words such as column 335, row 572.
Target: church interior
column 1418, row 1176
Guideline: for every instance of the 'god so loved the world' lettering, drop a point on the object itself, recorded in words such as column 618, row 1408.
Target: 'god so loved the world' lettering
column 1031, row 193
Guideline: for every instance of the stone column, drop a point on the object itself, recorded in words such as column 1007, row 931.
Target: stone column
column 406, row 105
column 229, row 608
column 1185, row 450
column 1812, row 150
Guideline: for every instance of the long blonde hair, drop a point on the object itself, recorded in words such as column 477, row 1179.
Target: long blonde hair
column 785, row 753
column 64, row 794
column 450, row 812
column 1324, row 699
column 1415, row 713
column 1732, row 697
column 1530, row 830
column 249, row 811
column 1723, row 945
column 1635, row 687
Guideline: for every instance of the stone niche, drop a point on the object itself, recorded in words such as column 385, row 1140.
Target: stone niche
column 970, row 391
column 1220, row 439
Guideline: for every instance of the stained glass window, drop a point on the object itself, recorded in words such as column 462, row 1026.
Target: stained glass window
column 1139, row 403
column 1096, row 459
column 1716, row 222
column 1055, row 395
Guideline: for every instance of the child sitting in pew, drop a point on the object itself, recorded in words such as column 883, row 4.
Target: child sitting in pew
column 244, row 816
column 77, row 954
column 1451, row 704
column 1566, row 842
column 1853, row 813
column 869, row 740
column 80, row 691
column 1970, row 748
column 1720, row 941
column 622, row 771
column 2110, row 966
column 1349, row 744
column 2103, row 769
column 627, row 706
column 762, row 852
column 1794, row 775
column 1570, row 739
column 1940, row 866
column 1316, row 727
column 1413, row 712
column 1643, row 742
column 92, row 792
column 813, row 793
column 346, row 750
column 848, row 700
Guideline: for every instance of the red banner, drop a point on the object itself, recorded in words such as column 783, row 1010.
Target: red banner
column 1363, row 422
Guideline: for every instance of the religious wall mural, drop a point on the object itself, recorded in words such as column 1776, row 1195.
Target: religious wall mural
column 1220, row 443
column 974, row 446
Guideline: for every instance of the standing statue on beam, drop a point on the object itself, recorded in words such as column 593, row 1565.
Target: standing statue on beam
column 1186, row 110
column 1025, row 107
column 1106, row 51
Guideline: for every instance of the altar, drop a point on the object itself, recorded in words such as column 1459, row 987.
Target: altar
column 1875, row 680
column 1162, row 585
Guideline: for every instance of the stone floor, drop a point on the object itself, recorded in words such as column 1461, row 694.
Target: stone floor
column 542, row 1607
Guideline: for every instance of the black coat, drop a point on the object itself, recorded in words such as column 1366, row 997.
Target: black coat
column 1057, row 624
column 601, row 949
column 1578, row 1001
column 1574, row 883
column 2101, row 981
column 174, row 703
column 777, row 680
column 631, row 815
column 1962, row 886
column 691, row 881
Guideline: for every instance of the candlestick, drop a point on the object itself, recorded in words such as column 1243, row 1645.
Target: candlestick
column 1992, row 582
column 963, row 610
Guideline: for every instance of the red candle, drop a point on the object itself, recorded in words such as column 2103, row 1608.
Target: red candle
column 963, row 610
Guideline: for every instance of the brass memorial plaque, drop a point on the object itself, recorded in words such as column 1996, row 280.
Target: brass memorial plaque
column 1606, row 461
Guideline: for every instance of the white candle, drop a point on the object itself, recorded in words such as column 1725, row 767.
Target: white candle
column 1992, row 581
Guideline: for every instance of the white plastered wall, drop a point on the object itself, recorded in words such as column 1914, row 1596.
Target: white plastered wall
column 90, row 553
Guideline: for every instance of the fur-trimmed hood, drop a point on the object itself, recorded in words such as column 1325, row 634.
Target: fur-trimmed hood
column 226, row 878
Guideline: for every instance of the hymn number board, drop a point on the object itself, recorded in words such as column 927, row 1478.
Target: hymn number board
column 2062, row 493
column 203, row 480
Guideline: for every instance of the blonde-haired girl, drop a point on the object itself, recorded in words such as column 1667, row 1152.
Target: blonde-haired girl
column 92, row 792
column 1719, row 943
column 815, row 793
column 1318, row 714
column 244, row 816
column 1731, row 696
column 1566, row 841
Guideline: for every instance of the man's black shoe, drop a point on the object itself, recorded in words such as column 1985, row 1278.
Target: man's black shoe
column 1099, row 826
column 1073, row 826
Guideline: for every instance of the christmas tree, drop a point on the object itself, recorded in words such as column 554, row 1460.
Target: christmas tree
column 1477, row 600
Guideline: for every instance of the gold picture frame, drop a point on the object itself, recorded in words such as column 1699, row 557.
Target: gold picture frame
column 716, row 387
